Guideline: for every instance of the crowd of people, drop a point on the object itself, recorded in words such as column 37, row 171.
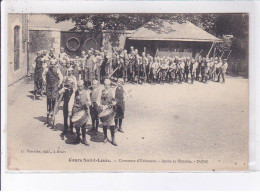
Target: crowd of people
column 75, row 81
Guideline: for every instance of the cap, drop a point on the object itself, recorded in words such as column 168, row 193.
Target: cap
column 80, row 83
column 95, row 81
column 120, row 80
column 107, row 82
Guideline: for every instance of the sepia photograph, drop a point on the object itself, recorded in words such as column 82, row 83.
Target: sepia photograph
column 133, row 92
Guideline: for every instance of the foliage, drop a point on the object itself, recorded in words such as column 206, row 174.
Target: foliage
column 98, row 22
column 216, row 24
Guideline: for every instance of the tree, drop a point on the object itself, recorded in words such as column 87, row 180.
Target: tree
column 98, row 22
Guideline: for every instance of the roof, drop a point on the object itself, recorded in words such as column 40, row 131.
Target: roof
column 43, row 21
column 173, row 31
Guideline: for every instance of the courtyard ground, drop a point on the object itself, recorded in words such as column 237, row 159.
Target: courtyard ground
column 168, row 127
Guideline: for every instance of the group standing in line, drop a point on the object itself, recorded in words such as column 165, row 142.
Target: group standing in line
column 75, row 81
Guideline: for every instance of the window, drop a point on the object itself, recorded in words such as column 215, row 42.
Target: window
column 16, row 47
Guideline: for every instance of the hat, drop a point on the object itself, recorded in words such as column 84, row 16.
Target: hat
column 95, row 81
column 120, row 80
column 80, row 83
column 107, row 82
column 53, row 61
column 70, row 69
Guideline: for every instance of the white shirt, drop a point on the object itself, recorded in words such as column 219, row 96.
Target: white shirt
column 73, row 79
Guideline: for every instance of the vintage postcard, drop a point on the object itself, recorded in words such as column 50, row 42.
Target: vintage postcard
column 135, row 92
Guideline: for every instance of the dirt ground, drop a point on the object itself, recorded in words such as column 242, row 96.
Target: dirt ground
column 168, row 127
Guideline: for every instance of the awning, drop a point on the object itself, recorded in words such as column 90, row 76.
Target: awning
column 172, row 31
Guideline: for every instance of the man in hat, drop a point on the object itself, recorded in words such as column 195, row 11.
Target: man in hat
column 143, row 65
column 52, row 78
column 181, row 70
column 103, row 63
column 164, row 67
column 198, row 70
column 219, row 68
column 120, row 105
column 154, row 68
column 193, row 68
column 223, row 70
column 132, row 50
column 62, row 67
column 107, row 101
column 38, row 70
column 172, row 69
column 90, row 63
column 202, row 69
column 137, row 66
column 125, row 60
column 148, row 68
column 52, row 55
column 80, row 101
column 98, row 60
column 45, row 59
column 94, row 108
column 115, row 61
column 131, row 67
column 187, row 68
column 70, row 86
column 82, row 62
column 63, row 56
column 76, row 68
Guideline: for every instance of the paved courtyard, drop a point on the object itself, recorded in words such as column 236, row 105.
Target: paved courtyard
column 167, row 127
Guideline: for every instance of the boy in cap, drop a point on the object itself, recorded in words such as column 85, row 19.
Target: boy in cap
column 45, row 59
column 94, row 108
column 223, row 70
column 120, row 105
column 63, row 56
column 107, row 101
column 38, row 70
column 52, row 55
column 187, row 68
column 219, row 68
column 70, row 86
column 89, row 67
column 193, row 68
column 82, row 63
column 80, row 101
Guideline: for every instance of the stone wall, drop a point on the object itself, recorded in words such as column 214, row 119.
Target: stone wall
column 42, row 39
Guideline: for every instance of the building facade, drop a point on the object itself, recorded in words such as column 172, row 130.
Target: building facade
column 17, row 47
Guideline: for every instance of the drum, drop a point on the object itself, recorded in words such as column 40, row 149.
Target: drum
column 164, row 67
column 79, row 118
column 107, row 115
